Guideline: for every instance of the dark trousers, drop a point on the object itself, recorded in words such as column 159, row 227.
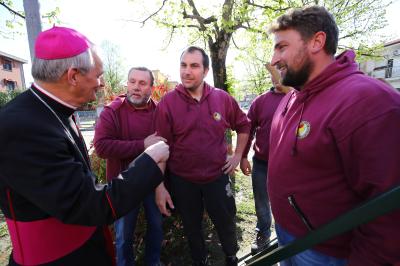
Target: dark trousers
column 217, row 198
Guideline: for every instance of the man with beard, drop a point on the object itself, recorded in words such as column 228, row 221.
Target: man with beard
column 124, row 130
column 334, row 143
column 193, row 118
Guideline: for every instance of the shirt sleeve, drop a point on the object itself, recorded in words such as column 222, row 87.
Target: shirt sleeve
column 237, row 118
column 370, row 155
column 252, row 116
column 162, row 122
column 108, row 141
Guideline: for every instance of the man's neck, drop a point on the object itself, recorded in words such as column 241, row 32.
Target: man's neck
column 57, row 90
column 319, row 66
column 140, row 107
column 197, row 93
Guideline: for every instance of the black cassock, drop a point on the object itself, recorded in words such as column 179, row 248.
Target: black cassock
column 55, row 211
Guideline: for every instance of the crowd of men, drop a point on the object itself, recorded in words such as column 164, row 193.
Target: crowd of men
column 326, row 140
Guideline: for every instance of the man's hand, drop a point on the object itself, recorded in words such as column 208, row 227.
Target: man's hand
column 152, row 139
column 163, row 198
column 275, row 76
column 283, row 89
column 245, row 166
column 231, row 163
column 276, row 79
column 159, row 152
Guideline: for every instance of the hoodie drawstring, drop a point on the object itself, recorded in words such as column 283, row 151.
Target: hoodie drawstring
column 287, row 103
column 303, row 100
column 296, row 137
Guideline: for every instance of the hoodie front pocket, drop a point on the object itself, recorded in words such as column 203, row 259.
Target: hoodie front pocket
column 300, row 213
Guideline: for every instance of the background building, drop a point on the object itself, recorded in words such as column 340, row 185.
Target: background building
column 11, row 72
column 387, row 67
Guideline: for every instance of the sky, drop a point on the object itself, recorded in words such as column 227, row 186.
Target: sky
column 139, row 46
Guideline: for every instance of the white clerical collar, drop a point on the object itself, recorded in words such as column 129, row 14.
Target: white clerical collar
column 53, row 96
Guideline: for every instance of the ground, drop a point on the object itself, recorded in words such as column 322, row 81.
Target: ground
column 5, row 247
column 175, row 251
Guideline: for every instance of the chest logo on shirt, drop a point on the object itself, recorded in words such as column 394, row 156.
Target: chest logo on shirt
column 303, row 130
column 217, row 116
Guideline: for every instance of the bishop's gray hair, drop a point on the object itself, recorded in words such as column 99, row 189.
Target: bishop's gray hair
column 52, row 70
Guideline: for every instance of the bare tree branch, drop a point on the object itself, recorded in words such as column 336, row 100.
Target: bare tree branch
column 150, row 16
column 371, row 52
column 196, row 15
column 204, row 21
column 234, row 43
column 170, row 38
column 12, row 11
column 249, row 2
column 169, row 25
column 350, row 35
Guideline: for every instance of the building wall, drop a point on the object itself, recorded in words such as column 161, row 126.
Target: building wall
column 16, row 74
column 386, row 68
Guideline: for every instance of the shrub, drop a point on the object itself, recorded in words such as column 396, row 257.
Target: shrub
column 98, row 166
column 3, row 98
column 7, row 96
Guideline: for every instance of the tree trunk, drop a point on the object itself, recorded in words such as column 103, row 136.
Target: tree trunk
column 33, row 23
column 218, row 52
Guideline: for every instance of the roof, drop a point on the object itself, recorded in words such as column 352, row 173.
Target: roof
column 391, row 43
column 13, row 57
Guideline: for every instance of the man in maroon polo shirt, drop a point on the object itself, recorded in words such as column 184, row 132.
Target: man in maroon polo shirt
column 261, row 112
column 193, row 118
column 124, row 130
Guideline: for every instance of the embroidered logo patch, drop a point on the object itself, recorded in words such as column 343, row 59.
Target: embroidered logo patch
column 217, row 116
column 303, row 130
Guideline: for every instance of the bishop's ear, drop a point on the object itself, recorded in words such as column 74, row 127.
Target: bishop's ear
column 72, row 76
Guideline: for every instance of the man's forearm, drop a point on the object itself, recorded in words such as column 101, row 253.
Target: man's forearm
column 241, row 142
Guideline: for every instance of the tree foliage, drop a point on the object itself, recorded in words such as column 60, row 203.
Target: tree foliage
column 12, row 19
column 113, row 64
column 217, row 25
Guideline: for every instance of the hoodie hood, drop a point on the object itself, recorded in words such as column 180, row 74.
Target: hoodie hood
column 343, row 66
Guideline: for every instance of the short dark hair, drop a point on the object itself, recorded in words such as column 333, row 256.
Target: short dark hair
column 308, row 21
column 143, row 69
column 191, row 49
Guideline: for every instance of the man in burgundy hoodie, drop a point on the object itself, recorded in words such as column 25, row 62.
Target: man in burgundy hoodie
column 193, row 118
column 124, row 130
column 334, row 144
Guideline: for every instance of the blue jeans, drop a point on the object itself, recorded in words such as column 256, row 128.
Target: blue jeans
column 306, row 258
column 261, row 200
column 125, row 229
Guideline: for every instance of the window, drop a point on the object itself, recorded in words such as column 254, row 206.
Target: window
column 10, row 85
column 7, row 65
column 389, row 68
